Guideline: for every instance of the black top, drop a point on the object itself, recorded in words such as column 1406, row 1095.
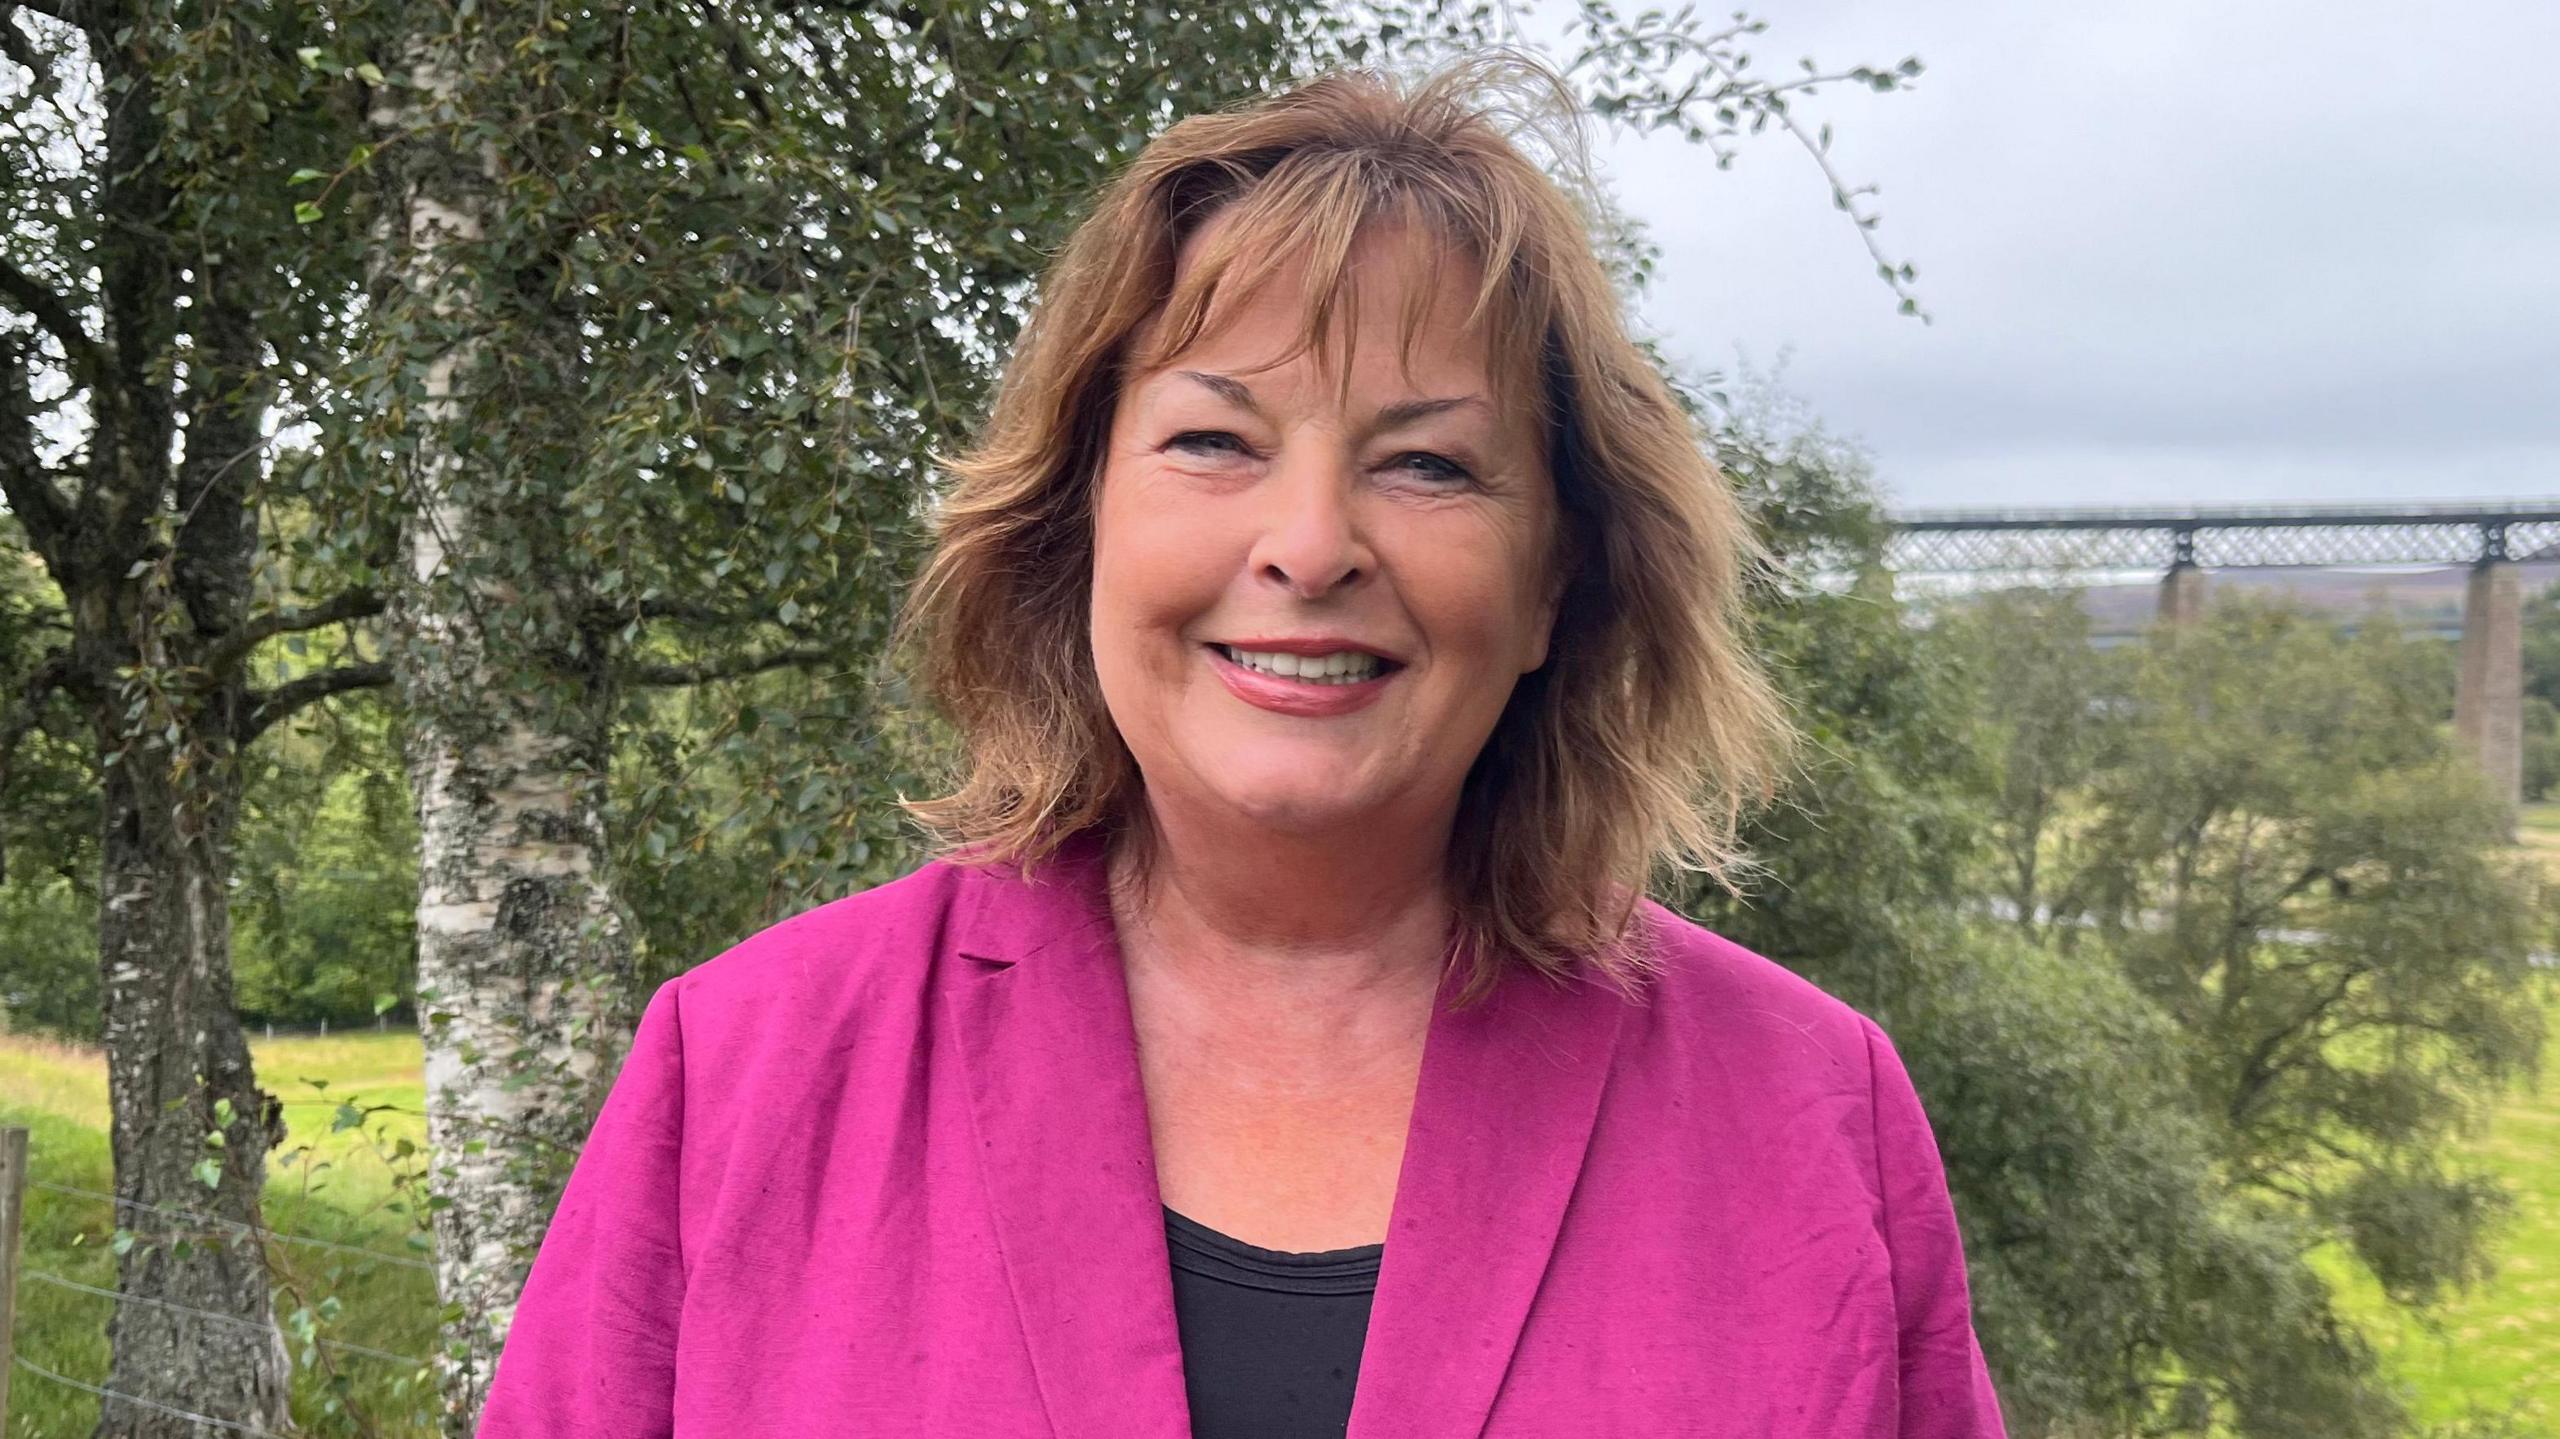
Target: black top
column 1270, row 1340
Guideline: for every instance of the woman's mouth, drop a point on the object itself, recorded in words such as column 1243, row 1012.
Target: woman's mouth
column 1342, row 667
column 1310, row 686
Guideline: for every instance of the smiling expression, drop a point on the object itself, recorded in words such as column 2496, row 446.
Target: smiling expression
column 1311, row 600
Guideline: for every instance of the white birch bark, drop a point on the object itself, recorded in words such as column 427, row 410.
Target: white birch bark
column 522, row 974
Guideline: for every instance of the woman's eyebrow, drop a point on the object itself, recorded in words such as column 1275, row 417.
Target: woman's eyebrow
column 1225, row 387
column 1404, row 412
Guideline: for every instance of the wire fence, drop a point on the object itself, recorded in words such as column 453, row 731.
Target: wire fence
column 342, row 1346
column 154, row 1405
column 246, row 1324
column 323, row 1028
column 280, row 1236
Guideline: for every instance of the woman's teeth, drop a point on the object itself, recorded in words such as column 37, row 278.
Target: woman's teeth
column 1342, row 667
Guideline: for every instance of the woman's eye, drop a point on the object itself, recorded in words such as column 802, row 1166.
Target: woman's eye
column 1433, row 467
column 1207, row 442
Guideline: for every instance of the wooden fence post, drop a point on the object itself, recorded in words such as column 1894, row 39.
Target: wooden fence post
column 13, row 1194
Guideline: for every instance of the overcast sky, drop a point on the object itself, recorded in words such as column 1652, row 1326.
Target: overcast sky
column 2246, row 251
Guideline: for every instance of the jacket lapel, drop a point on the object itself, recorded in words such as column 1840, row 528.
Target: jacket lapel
column 1041, row 1010
column 1502, row 1118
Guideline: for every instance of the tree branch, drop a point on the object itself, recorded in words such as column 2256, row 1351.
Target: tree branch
column 234, row 647
column 30, row 295
column 226, row 407
column 265, row 707
column 732, row 667
column 2260, row 1068
column 2264, row 912
column 740, row 61
column 24, row 482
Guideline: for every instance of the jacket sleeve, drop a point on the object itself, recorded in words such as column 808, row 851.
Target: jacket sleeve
column 1945, row 1386
column 591, row 1351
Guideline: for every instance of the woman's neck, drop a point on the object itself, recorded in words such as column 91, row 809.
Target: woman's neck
column 1266, row 917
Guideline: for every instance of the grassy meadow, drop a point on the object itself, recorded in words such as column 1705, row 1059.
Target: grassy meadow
column 335, row 1185
column 2495, row 1349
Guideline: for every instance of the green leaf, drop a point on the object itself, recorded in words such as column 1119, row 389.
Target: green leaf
column 305, row 212
column 306, row 175
column 369, row 73
column 382, row 1003
column 208, row 1172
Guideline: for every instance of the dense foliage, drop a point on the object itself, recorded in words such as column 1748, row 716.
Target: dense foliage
column 2198, row 950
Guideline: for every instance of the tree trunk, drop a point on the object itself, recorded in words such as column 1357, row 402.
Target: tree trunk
column 522, row 977
column 190, row 1128
column 178, row 1074
column 524, row 980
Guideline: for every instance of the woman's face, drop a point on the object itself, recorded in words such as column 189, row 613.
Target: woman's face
column 1311, row 601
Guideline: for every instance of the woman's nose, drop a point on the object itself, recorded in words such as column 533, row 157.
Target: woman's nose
column 1311, row 539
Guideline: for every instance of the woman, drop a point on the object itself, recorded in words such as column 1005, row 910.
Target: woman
column 1339, row 615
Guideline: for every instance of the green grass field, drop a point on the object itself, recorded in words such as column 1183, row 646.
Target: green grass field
column 2499, row 1344
column 2538, row 830
column 336, row 1186
column 2498, row 1347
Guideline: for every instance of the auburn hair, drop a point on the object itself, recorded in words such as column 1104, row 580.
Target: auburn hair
column 1640, row 744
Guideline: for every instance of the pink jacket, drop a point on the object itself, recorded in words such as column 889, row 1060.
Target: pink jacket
column 883, row 1169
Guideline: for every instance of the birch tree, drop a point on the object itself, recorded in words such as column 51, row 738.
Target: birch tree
column 521, row 965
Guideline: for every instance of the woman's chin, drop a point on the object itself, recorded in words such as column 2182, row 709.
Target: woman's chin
column 1298, row 810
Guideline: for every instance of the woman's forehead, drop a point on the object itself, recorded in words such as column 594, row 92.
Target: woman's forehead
column 1401, row 290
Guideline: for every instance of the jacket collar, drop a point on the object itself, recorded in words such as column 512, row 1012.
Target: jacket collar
column 1502, row 1117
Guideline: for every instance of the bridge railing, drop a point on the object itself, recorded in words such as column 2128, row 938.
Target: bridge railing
column 2217, row 537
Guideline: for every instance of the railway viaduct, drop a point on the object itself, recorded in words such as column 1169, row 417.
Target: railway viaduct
column 2183, row 545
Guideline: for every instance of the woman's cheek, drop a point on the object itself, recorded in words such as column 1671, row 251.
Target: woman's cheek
column 1159, row 575
column 1476, row 584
